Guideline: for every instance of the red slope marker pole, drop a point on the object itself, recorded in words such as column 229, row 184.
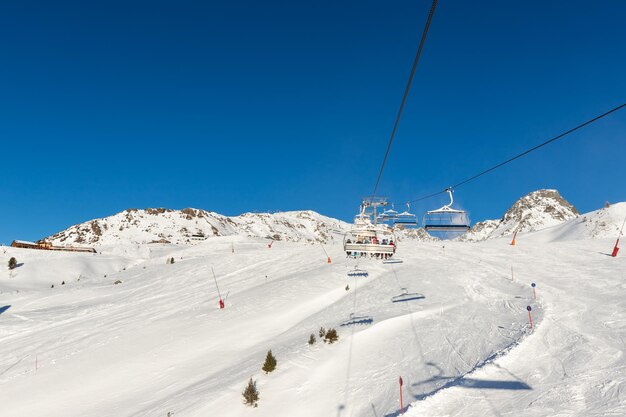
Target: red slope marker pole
column 616, row 248
column 514, row 236
column 530, row 318
column 534, row 292
column 325, row 253
column 218, row 289
column 401, row 404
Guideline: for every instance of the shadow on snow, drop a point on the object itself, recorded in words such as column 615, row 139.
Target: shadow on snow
column 443, row 382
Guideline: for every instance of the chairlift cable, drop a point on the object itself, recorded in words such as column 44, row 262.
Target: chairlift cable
column 406, row 93
column 588, row 122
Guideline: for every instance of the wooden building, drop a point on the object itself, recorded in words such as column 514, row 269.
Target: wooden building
column 45, row 245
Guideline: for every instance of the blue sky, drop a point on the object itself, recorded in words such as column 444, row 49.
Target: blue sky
column 257, row 106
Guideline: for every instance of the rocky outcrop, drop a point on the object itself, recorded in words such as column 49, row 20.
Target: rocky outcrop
column 535, row 211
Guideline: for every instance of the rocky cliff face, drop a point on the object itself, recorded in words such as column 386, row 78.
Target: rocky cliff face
column 535, row 211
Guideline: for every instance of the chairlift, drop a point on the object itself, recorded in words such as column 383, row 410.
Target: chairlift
column 356, row 272
column 447, row 219
column 357, row 320
column 406, row 296
column 406, row 218
column 367, row 238
column 387, row 215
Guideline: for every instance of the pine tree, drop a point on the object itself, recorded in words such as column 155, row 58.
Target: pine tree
column 251, row 394
column 322, row 332
column 270, row 362
column 312, row 339
column 331, row 336
column 12, row 263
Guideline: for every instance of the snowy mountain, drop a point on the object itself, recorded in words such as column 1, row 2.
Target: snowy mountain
column 535, row 211
column 192, row 225
column 598, row 224
column 419, row 234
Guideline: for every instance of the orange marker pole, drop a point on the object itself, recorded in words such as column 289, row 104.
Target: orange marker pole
column 530, row 318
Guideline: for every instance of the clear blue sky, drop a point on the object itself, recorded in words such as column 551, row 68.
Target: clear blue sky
column 244, row 106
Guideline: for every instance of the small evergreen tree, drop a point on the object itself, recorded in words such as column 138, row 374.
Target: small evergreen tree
column 270, row 362
column 312, row 339
column 331, row 336
column 322, row 332
column 12, row 263
column 251, row 394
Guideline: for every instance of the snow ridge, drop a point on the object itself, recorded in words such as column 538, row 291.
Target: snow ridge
column 535, row 211
column 603, row 223
column 189, row 226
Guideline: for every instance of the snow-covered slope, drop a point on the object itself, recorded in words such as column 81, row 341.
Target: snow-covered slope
column 179, row 226
column 535, row 211
column 157, row 343
column 603, row 223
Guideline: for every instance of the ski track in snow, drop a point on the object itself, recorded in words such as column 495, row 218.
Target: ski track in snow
column 157, row 343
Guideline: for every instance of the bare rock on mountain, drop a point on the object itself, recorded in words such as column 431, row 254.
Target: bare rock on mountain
column 535, row 211
column 190, row 226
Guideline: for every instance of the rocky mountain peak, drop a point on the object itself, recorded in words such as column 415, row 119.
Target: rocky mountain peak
column 535, row 211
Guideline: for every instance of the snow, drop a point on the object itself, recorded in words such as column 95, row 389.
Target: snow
column 158, row 343
column 179, row 226
column 25, row 242
column 535, row 211
column 603, row 223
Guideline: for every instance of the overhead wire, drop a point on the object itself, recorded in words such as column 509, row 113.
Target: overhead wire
column 406, row 94
column 380, row 174
column 534, row 148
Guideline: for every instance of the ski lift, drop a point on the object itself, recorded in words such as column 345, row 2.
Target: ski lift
column 406, row 218
column 367, row 238
column 387, row 215
column 356, row 320
column 406, row 296
column 447, row 219
column 356, row 272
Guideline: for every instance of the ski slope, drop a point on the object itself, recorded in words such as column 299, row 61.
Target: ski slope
column 158, row 343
